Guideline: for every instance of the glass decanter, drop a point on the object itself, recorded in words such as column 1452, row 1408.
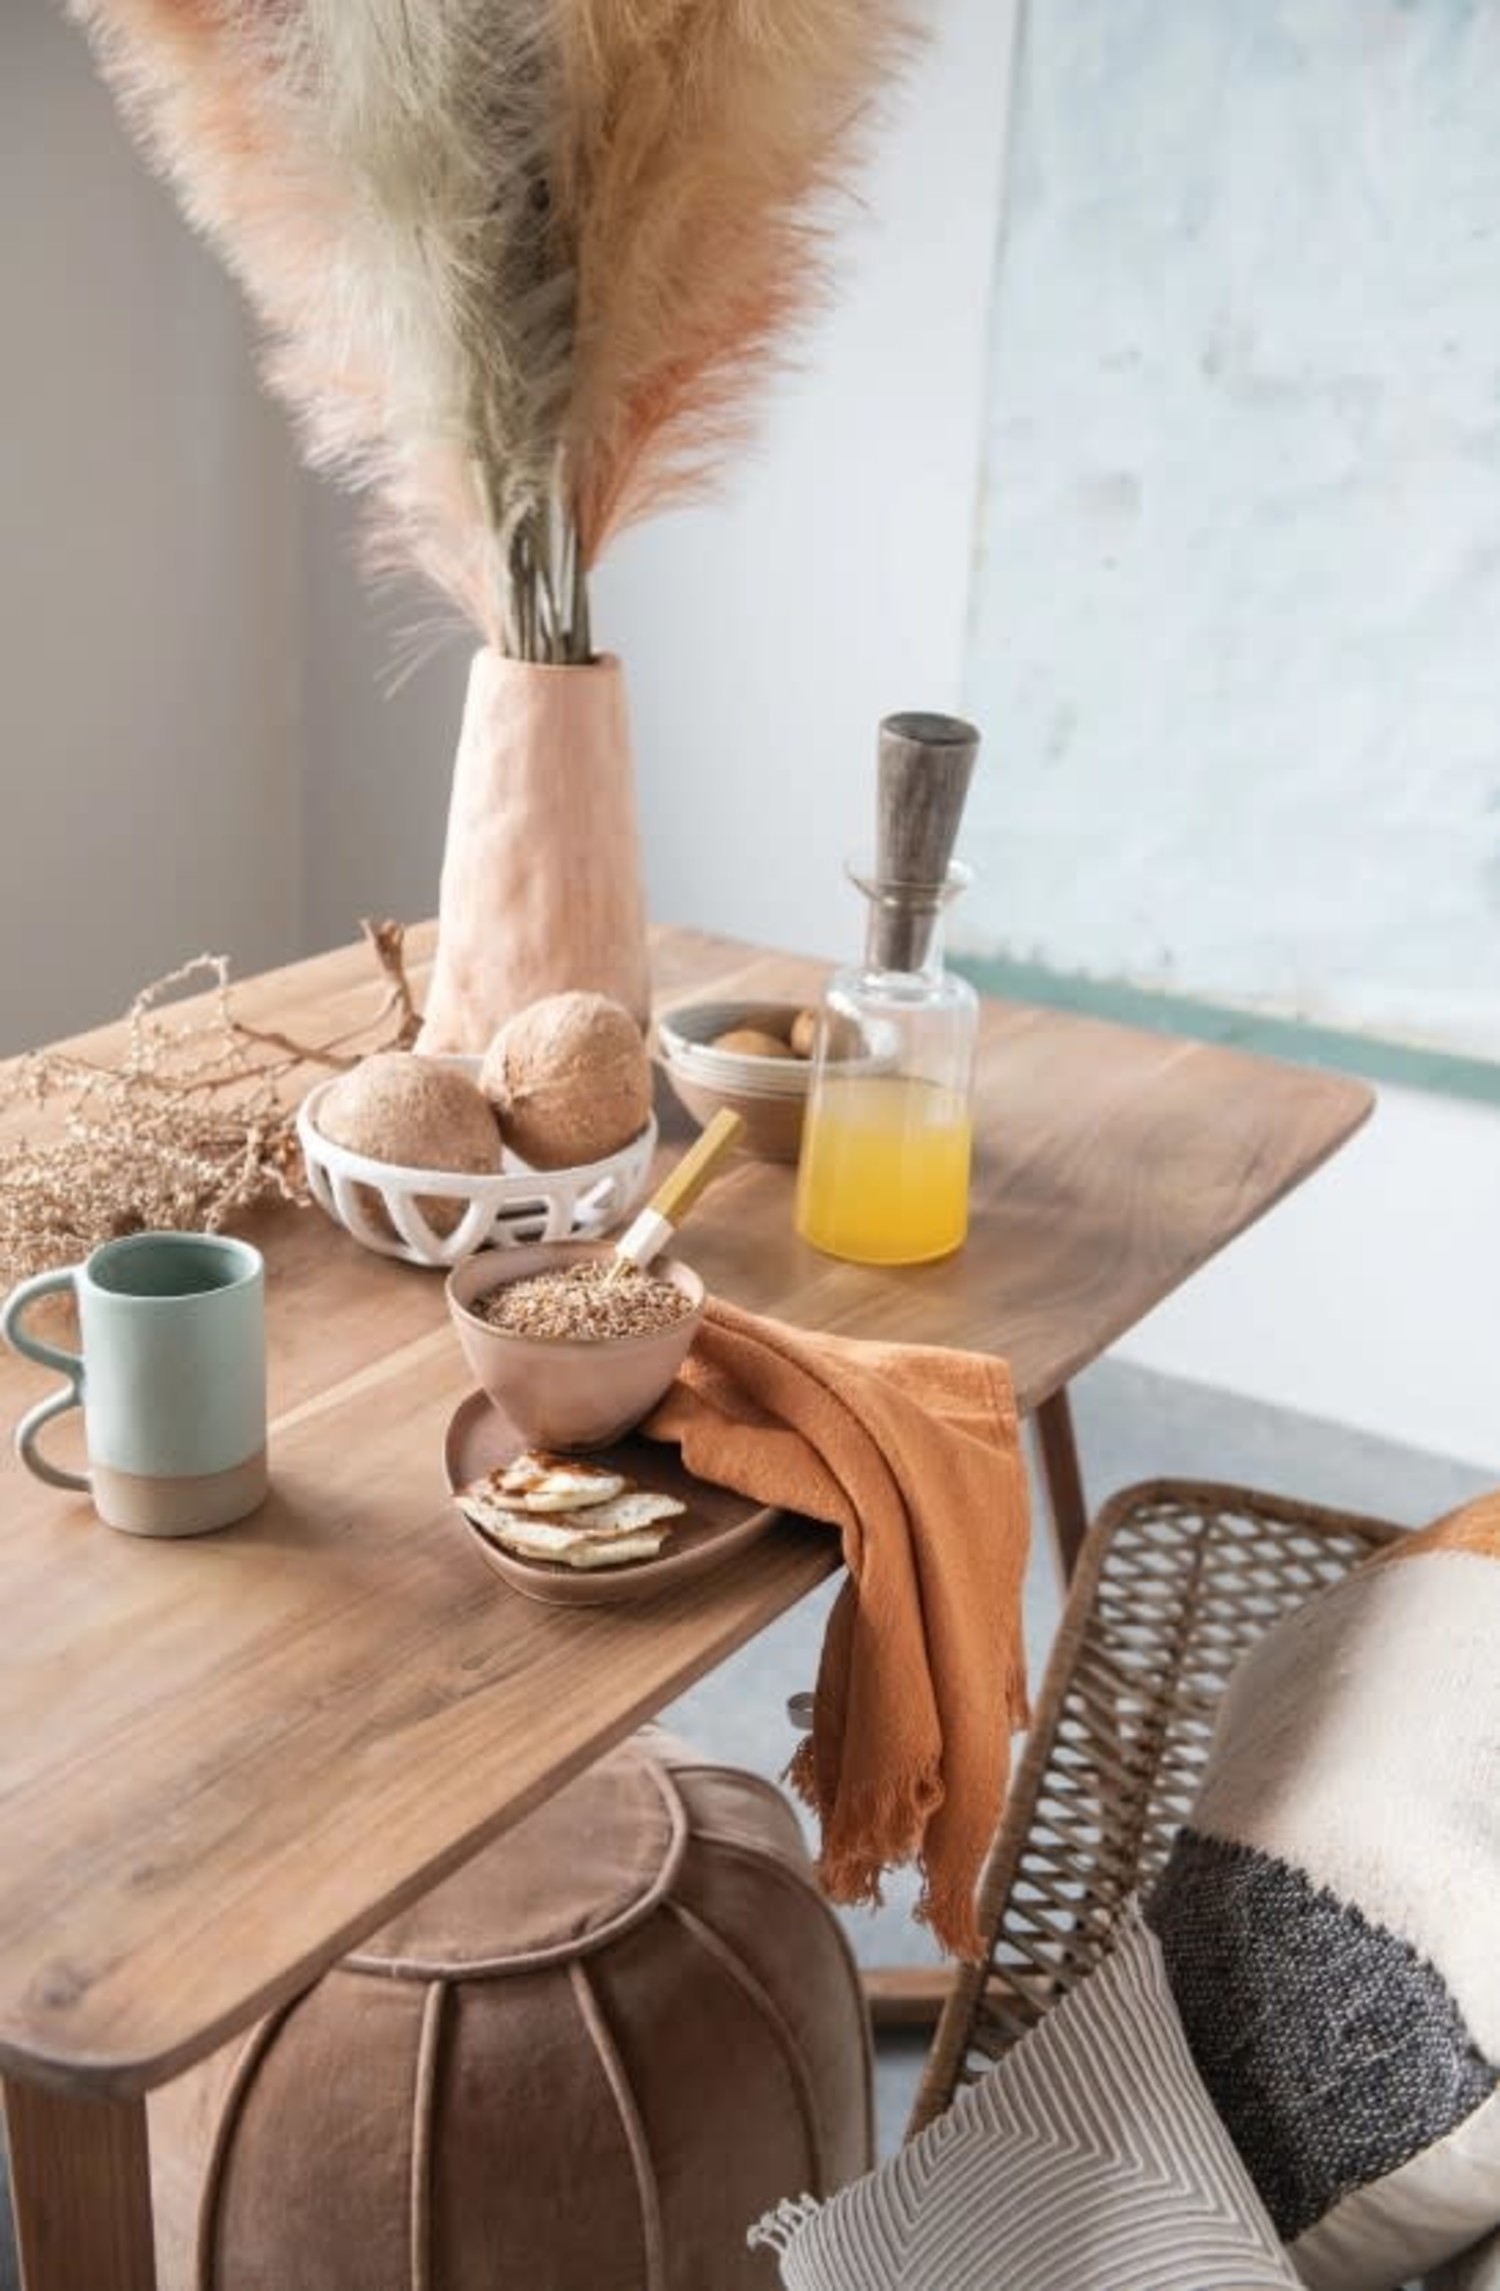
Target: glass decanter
column 883, row 1176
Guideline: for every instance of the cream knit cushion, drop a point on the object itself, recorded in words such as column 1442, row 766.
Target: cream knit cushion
column 1089, row 2160
column 1330, row 1917
column 1476, row 2270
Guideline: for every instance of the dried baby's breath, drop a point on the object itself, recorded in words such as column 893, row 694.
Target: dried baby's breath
column 192, row 1127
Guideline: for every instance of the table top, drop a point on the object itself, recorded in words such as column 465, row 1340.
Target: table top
column 224, row 1761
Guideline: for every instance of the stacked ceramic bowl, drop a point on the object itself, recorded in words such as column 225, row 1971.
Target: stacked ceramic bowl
column 766, row 1086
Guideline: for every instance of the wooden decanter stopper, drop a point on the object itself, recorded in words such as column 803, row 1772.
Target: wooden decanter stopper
column 926, row 763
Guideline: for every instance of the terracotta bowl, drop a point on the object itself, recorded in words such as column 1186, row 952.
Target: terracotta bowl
column 773, row 1126
column 568, row 1392
column 769, row 1094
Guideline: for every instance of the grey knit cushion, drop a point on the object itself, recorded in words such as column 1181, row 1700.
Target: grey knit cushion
column 1089, row 2160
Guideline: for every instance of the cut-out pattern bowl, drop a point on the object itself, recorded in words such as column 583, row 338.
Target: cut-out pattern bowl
column 388, row 1207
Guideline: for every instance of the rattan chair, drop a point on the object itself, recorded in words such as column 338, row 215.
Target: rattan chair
column 1175, row 1581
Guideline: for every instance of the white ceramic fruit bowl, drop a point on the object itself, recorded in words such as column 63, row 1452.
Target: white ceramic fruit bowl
column 386, row 1205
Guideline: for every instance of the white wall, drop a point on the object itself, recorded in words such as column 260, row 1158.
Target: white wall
column 378, row 760
column 1369, row 1296
column 149, row 674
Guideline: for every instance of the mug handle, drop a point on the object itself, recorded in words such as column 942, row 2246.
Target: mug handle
column 68, row 1364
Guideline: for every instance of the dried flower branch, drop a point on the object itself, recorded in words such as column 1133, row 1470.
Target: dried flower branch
column 194, row 1126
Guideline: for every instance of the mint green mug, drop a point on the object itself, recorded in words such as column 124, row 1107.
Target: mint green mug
column 171, row 1379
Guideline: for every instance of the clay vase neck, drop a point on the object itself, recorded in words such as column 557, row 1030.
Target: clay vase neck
column 541, row 882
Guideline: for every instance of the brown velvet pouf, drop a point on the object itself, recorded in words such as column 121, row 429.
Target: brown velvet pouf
column 587, row 2062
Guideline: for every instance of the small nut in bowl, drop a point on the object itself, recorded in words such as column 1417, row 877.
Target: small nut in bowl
column 570, row 1391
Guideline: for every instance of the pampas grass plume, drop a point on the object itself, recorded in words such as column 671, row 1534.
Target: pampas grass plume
column 524, row 265
column 707, row 142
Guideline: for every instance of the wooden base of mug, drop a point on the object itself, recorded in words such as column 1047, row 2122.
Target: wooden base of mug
column 144, row 1503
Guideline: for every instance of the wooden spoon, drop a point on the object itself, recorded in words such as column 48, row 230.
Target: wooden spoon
column 655, row 1225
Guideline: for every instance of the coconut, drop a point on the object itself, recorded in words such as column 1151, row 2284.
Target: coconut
column 570, row 1080
column 417, row 1114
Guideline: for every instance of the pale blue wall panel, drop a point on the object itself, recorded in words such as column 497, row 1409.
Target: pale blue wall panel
column 1236, row 621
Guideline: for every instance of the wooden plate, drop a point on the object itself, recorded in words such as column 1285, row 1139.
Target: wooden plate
column 716, row 1524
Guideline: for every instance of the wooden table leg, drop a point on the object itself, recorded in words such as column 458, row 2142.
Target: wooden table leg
column 1063, row 1479
column 906, row 1996
column 80, row 2186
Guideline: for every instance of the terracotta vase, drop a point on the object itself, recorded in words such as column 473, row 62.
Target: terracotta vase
column 541, row 884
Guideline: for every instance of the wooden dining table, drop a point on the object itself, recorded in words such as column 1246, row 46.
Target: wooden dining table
column 225, row 1761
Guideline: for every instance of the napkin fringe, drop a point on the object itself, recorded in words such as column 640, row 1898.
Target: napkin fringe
column 889, row 1821
column 875, row 1826
column 951, row 1917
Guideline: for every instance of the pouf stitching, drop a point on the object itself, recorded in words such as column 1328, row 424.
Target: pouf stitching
column 793, row 1872
column 592, row 2014
column 704, row 1766
column 744, row 1979
column 756, row 1787
column 789, row 1860
column 804, row 1882
column 640, row 1906
column 423, row 2146
column 257, row 2044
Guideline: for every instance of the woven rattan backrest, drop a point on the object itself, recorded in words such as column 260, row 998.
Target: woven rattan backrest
column 1176, row 1580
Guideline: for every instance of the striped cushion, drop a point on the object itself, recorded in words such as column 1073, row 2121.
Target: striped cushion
column 1330, row 1917
column 1089, row 2160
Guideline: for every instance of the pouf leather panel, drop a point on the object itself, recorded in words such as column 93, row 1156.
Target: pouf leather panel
column 586, row 2062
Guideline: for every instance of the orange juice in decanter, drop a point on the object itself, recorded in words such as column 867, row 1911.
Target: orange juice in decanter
column 883, row 1175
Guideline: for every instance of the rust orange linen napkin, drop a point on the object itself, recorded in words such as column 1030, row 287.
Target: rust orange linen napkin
column 913, row 1454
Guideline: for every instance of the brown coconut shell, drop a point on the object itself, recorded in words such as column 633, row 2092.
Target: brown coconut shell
column 414, row 1113
column 569, row 1078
